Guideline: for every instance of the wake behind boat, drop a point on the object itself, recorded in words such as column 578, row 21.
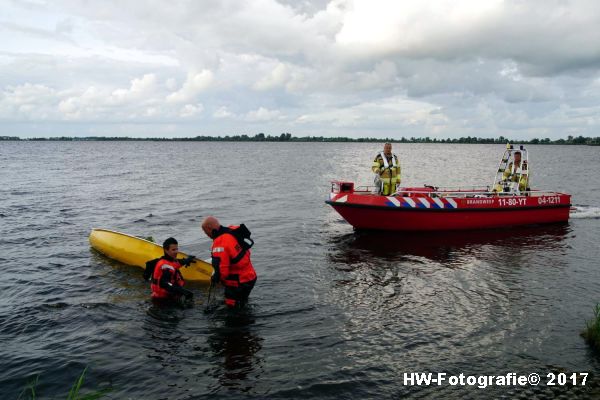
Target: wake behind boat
column 509, row 203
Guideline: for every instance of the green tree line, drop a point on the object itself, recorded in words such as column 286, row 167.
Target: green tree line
column 288, row 137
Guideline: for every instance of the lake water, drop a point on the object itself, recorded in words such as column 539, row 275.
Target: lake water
column 335, row 314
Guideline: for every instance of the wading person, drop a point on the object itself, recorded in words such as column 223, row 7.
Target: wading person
column 231, row 260
column 386, row 168
column 167, row 282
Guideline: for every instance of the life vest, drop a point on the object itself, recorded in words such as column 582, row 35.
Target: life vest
column 234, row 258
column 518, row 173
column 512, row 172
column 386, row 163
column 176, row 279
column 389, row 178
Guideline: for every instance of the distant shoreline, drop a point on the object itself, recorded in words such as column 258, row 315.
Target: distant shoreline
column 286, row 137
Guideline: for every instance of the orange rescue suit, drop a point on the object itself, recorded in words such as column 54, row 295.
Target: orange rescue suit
column 176, row 279
column 227, row 250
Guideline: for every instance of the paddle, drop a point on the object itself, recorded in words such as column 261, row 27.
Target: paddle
column 186, row 262
column 207, row 308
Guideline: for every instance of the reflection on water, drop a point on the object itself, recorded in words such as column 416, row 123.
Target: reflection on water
column 163, row 337
column 236, row 345
column 223, row 345
column 447, row 248
column 165, row 311
column 336, row 314
column 439, row 299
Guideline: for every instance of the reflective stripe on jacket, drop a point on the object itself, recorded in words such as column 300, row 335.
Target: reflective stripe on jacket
column 176, row 279
column 389, row 174
column 512, row 172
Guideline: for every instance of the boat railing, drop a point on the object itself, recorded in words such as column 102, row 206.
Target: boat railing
column 456, row 192
column 365, row 188
column 474, row 194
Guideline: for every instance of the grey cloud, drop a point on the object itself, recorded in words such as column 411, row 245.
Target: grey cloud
column 313, row 66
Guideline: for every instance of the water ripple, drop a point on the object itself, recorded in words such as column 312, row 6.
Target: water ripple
column 335, row 313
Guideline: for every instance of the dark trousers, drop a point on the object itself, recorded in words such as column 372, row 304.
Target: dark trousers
column 237, row 296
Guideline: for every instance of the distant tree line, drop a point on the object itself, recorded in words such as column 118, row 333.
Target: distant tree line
column 287, row 137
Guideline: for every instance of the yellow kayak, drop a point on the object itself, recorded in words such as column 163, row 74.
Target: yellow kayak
column 132, row 250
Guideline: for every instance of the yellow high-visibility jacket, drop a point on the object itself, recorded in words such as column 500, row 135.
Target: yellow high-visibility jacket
column 508, row 176
column 388, row 169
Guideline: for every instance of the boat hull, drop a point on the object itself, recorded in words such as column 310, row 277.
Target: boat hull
column 425, row 213
column 135, row 251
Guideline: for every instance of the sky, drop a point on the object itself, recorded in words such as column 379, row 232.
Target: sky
column 442, row 69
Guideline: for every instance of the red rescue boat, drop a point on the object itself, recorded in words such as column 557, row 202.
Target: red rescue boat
column 432, row 209
column 510, row 203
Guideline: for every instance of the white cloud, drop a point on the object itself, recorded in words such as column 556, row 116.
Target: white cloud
column 383, row 25
column 28, row 93
column 171, row 84
column 193, row 86
column 384, row 74
column 275, row 78
column 88, row 104
column 102, row 102
column 395, row 111
column 263, row 114
column 347, row 66
column 191, row 110
column 222, row 112
column 140, row 88
column 27, row 101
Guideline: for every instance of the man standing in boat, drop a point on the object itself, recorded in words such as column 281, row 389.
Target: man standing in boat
column 386, row 167
column 517, row 171
column 231, row 260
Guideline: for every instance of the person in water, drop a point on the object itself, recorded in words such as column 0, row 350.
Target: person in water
column 167, row 282
column 231, row 260
column 386, row 168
